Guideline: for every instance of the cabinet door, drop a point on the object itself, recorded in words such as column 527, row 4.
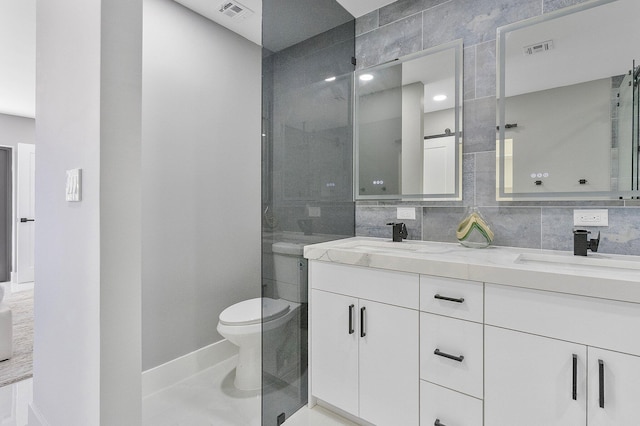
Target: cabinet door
column 530, row 381
column 389, row 367
column 614, row 388
column 334, row 349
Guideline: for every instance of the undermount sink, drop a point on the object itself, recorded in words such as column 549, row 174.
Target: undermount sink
column 593, row 261
column 396, row 247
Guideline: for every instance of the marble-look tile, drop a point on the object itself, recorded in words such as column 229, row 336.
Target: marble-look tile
column 403, row 8
column 372, row 222
column 469, row 179
column 367, row 22
column 208, row 398
column 486, row 179
column 474, row 21
column 479, row 124
column 622, row 236
column 486, row 69
column 440, row 224
column 469, row 72
column 14, row 403
column 389, row 42
column 557, row 228
column 551, row 5
column 514, row 226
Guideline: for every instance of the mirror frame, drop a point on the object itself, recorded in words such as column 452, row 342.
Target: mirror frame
column 457, row 46
column 501, row 114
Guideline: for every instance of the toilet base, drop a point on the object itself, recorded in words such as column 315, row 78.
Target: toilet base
column 249, row 368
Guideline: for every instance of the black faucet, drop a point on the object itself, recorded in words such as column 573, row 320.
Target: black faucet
column 581, row 243
column 399, row 231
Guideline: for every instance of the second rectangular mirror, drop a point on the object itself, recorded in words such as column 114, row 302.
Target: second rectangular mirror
column 568, row 123
column 408, row 127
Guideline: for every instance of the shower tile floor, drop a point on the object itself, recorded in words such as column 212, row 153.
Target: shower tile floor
column 209, row 398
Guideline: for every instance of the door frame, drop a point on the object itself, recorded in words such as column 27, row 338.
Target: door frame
column 12, row 212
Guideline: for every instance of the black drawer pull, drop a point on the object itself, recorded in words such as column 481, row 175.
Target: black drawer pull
column 574, row 390
column 448, row 299
column 446, row 355
column 437, row 423
column 351, row 328
column 601, row 382
column 362, row 328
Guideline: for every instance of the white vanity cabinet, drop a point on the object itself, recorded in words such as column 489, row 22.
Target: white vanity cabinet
column 544, row 365
column 364, row 342
column 451, row 351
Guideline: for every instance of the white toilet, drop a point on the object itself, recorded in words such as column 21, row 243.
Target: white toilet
column 243, row 323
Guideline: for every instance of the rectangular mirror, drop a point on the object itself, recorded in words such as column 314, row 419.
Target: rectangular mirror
column 567, row 104
column 408, row 127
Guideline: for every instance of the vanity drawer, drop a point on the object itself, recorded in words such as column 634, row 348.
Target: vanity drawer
column 436, row 294
column 459, row 339
column 450, row 407
column 586, row 320
column 393, row 288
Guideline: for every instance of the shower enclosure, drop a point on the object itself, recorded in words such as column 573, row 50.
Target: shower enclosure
column 307, row 171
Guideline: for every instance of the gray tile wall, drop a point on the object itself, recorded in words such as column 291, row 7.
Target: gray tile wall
column 408, row 26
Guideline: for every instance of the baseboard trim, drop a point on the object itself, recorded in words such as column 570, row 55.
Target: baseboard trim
column 35, row 416
column 174, row 371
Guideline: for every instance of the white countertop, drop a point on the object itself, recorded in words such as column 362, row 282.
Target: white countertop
column 599, row 275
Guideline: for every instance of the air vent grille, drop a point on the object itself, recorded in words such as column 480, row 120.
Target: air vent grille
column 542, row 47
column 235, row 10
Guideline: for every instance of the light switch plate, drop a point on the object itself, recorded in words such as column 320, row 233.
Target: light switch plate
column 73, row 190
column 591, row 217
column 314, row 211
column 408, row 213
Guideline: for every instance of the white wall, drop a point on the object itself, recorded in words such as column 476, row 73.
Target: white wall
column 18, row 57
column 87, row 293
column 201, row 178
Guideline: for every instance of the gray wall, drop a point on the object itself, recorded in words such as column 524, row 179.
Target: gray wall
column 200, row 174
column 409, row 26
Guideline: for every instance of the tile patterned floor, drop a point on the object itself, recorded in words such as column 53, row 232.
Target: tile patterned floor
column 208, row 398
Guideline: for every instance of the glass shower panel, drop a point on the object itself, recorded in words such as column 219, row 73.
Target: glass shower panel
column 307, row 172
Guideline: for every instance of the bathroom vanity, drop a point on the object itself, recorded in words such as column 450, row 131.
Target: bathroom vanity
column 426, row 333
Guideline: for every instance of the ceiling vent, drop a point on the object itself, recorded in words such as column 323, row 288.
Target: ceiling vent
column 235, row 10
column 542, row 47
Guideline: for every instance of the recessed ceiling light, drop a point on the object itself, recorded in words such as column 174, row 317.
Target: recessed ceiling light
column 330, row 78
column 366, row 77
column 439, row 98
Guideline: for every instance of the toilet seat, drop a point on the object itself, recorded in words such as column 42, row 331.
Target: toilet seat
column 254, row 311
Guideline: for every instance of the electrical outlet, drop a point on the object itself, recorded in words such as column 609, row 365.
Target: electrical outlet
column 407, row 213
column 592, row 217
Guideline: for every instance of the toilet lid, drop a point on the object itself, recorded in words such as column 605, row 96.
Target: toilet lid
column 253, row 311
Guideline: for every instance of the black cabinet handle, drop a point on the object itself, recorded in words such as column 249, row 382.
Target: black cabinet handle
column 437, row 423
column 24, row 219
column 446, row 355
column 362, row 329
column 351, row 328
column 574, row 390
column 601, row 382
column 449, row 299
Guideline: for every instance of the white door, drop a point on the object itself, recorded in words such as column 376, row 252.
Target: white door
column 389, row 364
column 529, row 380
column 26, row 212
column 439, row 165
column 614, row 388
column 334, row 349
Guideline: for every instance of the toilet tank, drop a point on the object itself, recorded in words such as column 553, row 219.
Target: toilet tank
column 290, row 271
